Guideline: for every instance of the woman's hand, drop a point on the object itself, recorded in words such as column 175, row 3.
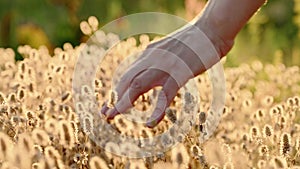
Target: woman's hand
column 169, row 63
column 182, row 55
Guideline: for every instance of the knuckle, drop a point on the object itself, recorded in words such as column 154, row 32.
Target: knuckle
column 136, row 84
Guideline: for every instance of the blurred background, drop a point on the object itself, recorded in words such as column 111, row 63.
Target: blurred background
column 272, row 35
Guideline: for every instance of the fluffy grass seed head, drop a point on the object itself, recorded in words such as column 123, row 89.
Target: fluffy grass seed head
column 144, row 39
column 282, row 122
column 297, row 101
column 188, row 98
column 195, row 150
column 67, row 46
column 254, row 132
column 10, row 65
column 40, row 137
column 32, row 86
column 97, row 163
column 66, row 97
column 145, row 134
column 86, row 91
column 12, row 98
column 5, row 146
column 85, row 28
column 280, row 108
column 98, row 84
column 63, row 56
column 2, row 98
column 11, row 110
column 26, row 144
column 123, row 124
column 180, row 157
column 257, row 66
column 51, row 153
column 171, row 115
column 51, row 126
column 202, row 117
column 34, row 54
column 267, row 131
column 88, row 124
column 31, row 74
column 113, row 98
column 9, row 129
column 274, row 112
column 30, row 115
column 263, row 150
column 290, row 102
column 247, row 103
column 137, row 164
column 22, row 67
column 21, row 95
column 15, row 120
column 261, row 164
column 297, row 144
column 93, row 22
column 278, row 162
column 260, row 114
column 166, row 140
column 80, row 109
column 285, row 144
column 66, row 134
column 75, row 129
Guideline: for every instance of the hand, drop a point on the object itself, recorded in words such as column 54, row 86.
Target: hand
column 169, row 63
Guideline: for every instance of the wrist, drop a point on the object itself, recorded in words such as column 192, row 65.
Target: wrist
column 223, row 45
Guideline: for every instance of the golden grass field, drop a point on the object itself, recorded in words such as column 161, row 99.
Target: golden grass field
column 39, row 127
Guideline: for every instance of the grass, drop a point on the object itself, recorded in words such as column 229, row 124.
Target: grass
column 259, row 128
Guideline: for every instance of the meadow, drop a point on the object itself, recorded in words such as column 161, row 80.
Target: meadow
column 39, row 126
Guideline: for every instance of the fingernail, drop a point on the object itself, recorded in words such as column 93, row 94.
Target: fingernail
column 104, row 109
column 155, row 118
column 111, row 114
column 151, row 122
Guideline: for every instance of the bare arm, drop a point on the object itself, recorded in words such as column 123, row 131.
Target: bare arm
column 222, row 20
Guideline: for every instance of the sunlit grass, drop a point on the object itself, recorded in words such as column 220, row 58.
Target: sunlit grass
column 39, row 127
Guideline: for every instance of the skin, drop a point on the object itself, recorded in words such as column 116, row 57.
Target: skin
column 219, row 23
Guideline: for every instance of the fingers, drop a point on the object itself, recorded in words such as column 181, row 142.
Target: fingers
column 124, row 83
column 137, row 67
column 134, row 70
column 104, row 109
column 165, row 98
column 138, row 86
column 145, row 74
column 163, row 61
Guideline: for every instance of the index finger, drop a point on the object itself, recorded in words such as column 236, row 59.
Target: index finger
column 123, row 84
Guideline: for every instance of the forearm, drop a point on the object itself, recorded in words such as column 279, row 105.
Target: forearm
column 221, row 20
